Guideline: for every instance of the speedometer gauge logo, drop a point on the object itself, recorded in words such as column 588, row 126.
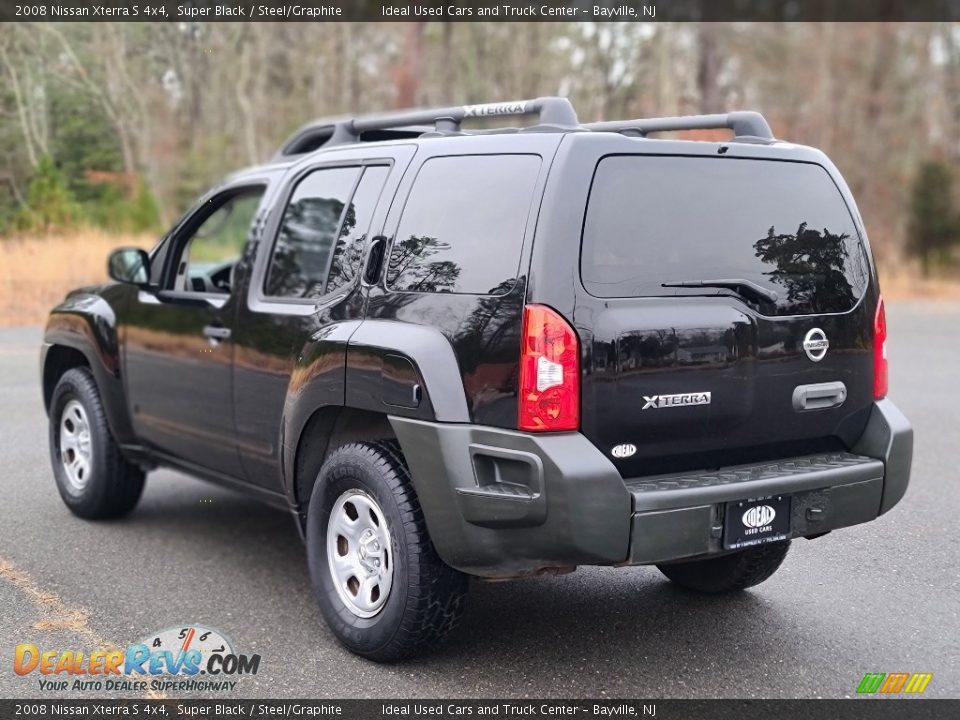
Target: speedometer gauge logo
column 177, row 640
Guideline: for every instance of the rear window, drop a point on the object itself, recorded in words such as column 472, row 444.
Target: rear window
column 463, row 224
column 782, row 226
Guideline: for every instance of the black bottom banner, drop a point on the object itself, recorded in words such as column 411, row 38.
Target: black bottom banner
column 893, row 709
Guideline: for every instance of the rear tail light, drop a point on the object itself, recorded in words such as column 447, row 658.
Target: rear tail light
column 549, row 396
column 880, row 383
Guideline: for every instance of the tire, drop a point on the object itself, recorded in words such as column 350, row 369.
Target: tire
column 728, row 573
column 94, row 479
column 402, row 598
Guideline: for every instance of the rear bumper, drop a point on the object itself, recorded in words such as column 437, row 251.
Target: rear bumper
column 500, row 503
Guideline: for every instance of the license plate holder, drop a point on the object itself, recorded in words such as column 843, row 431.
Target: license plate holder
column 756, row 521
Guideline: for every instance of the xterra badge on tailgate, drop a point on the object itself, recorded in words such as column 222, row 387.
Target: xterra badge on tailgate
column 678, row 400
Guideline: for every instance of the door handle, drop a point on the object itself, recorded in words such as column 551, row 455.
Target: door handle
column 371, row 273
column 819, row 397
column 216, row 332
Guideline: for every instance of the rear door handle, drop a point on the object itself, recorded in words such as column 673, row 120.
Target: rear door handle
column 819, row 396
column 371, row 273
column 216, row 332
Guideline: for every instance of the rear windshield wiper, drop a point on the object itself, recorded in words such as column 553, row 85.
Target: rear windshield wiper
column 747, row 288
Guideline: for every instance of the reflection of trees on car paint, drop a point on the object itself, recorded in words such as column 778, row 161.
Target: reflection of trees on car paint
column 408, row 268
column 493, row 320
column 488, row 343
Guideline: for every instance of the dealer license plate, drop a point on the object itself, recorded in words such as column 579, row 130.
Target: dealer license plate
column 757, row 521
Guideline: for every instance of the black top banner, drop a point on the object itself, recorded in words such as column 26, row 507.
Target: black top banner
column 479, row 10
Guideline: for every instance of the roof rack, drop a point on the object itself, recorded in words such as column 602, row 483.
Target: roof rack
column 552, row 112
column 746, row 126
column 318, row 133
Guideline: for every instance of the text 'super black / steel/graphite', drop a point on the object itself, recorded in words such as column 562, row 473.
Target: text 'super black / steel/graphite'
column 497, row 352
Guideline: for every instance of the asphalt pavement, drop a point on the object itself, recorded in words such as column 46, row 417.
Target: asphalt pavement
column 882, row 597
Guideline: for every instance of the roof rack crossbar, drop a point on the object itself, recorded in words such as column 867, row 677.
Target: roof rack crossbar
column 744, row 124
column 550, row 111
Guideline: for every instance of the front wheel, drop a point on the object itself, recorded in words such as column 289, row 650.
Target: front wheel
column 381, row 587
column 728, row 573
column 94, row 479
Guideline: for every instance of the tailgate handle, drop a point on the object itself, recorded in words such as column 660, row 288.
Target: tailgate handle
column 819, row 396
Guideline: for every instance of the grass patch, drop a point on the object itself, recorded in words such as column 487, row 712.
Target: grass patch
column 36, row 272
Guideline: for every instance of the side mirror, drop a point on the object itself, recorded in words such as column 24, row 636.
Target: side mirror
column 129, row 265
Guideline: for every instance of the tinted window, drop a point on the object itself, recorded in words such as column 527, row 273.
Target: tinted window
column 311, row 224
column 462, row 227
column 781, row 225
column 356, row 224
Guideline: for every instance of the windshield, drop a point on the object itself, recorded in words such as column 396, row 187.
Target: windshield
column 676, row 221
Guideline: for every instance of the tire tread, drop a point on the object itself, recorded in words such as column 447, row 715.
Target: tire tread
column 115, row 488
column 435, row 592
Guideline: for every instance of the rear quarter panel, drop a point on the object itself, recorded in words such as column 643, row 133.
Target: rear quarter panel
column 482, row 330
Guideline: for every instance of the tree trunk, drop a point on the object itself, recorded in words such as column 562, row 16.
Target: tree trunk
column 408, row 72
column 21, row 107
column 708, row 68
column 245, row 45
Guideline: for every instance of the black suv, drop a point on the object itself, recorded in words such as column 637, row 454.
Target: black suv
column 497, row 352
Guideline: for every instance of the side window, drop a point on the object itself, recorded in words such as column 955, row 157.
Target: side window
column 356, row 225
column 208, row 255
column 311, row 225
column 463, row 224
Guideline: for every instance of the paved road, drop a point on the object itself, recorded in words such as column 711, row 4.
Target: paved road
column 883, row 597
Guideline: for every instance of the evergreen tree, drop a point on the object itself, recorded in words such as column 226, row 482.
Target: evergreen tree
column 144, row 215
column 50, row 204
column 934, row 225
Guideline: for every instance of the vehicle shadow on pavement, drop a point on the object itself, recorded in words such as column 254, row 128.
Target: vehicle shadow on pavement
column 596, row 617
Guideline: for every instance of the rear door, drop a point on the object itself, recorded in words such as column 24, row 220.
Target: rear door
column 724, row 303
column 305, row 297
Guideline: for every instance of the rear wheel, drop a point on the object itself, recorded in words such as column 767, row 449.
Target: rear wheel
column 94, row 479
column 728, row 573
column 380, row 584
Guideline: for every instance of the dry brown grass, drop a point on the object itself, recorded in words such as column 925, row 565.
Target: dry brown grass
column 36, row 272
column 911, row 285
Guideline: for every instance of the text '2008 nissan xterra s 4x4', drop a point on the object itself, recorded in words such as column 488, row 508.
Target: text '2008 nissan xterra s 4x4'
column 497, row 353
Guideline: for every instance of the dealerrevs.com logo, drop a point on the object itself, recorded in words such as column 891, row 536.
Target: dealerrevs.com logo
column 172, row 659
